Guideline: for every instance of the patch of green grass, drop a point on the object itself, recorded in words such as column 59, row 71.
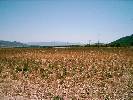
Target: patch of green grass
column 57, row 98
column 18, row 69
column 45, row 73
column 25, row 67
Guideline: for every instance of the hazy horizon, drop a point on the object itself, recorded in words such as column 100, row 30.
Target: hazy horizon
column 65, row 20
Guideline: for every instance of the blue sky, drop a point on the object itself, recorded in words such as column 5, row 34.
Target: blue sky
column 65, row 20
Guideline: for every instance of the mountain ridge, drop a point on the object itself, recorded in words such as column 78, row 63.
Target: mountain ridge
column 123, row 41
column 12, row 44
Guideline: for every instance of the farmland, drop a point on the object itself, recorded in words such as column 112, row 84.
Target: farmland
column 66, row 73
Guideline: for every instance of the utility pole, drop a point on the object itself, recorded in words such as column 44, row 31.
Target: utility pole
column 67, row 43
column 89, row 43
column 98, row 43
column 54, row 43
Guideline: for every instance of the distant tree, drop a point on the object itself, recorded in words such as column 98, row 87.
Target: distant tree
column 117, row 45
column 87, row 45
column 131, row 43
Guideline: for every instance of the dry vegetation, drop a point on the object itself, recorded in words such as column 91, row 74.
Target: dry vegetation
column 66, row 74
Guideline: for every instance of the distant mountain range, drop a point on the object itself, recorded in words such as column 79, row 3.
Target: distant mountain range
column 56, row 43
column 30, row 44
column 124, row 41
column 11, row 44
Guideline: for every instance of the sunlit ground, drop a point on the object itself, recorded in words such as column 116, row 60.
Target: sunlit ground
column 66, row 74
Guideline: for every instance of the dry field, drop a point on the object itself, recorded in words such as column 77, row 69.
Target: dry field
column 66, row 74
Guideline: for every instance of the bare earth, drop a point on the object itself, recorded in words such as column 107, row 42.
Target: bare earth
column 66, row 74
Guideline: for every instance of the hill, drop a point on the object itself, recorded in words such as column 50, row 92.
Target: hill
column 124, row 41
column 11, row 44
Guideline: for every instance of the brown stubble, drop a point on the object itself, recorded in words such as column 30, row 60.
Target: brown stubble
column 71, row 73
